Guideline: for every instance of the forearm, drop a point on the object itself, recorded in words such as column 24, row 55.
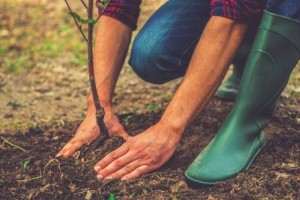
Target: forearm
column 112, row 41
column 207, row 68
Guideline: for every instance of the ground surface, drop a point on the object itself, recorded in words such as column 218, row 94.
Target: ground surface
column 43, row 89
column 36, row 174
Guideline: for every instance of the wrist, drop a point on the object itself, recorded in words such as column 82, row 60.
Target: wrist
column 176, row 129
column 92, row 109
column 104, row 103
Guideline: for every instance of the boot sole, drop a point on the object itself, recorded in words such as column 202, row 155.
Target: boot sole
column 194, row 183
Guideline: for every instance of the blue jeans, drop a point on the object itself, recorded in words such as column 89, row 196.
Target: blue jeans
column 164, row 46
column 287, row 8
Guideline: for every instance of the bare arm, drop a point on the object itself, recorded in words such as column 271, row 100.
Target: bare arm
column 207, row 68
column 112, row 41
column 144, row 152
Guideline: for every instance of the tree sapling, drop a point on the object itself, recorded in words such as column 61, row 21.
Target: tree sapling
column 90, row 21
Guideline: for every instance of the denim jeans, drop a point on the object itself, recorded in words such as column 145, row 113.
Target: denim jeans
column 164, row 46
column 287, row 8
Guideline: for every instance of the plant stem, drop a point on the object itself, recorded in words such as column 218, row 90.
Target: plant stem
column 13, row 145
column 78, row 26
column 102, row 11
column 82, row 1
column 100, row 112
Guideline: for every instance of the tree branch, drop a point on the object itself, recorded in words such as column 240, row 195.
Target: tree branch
column 76, row 22
column 82, row 1
column 102, row 11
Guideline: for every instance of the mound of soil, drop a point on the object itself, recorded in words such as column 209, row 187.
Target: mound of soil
column 29, row 169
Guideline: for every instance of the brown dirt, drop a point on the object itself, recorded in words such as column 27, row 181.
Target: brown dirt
column 274, row 175
column 41, row 107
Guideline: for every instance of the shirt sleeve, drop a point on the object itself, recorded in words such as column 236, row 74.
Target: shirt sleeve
column 126, row 11
column 248, row 11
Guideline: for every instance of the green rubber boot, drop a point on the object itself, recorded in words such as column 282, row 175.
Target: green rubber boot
column 228, row 90
column 274, row 54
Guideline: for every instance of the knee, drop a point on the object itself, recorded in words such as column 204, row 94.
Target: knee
column 147, row 59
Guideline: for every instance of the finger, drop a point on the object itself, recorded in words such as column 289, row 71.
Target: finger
column 116, row 165
column 111, row 157
column 124, row 170
column 69, row 149
column 64, row 149
column 137, row 172
column 72, row 149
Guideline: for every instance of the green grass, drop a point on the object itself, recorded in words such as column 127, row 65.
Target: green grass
column 39, row 32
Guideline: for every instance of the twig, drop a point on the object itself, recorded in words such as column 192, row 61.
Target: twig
column 49, row 162
column 30, row 179
column 85, row 190
column 102, row 11
column 78, row 26
column 13, row 145
column 84, row 4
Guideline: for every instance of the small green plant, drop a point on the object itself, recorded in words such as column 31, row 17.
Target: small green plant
column 152, row 107
column 14, row 105
column 26, row 165
column 128, row 119
column 111, row 196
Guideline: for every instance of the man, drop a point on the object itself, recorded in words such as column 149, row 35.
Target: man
column 166, row 48
column 273, row 56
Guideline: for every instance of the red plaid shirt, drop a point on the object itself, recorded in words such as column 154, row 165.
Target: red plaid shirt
column 247, row 11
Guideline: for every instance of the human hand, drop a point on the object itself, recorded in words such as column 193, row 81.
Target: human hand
column 89, row 131
column 139, row 154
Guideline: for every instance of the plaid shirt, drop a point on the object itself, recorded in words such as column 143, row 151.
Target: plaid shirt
column 127, row 11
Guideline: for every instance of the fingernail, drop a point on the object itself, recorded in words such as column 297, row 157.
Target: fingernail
column 97, row 168
column 58, row 155
column 108, row 178
column 99, row 177
column 123, row 179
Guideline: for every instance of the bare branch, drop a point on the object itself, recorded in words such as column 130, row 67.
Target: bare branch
column 102, row 11
column 82, row 1
column 76, row 22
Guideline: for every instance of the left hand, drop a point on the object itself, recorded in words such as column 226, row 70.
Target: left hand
column 139, row 154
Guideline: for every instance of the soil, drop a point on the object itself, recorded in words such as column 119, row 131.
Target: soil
column 41, row 108
column 36, row 174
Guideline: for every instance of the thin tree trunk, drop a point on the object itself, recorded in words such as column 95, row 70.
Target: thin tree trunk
column 100, row 112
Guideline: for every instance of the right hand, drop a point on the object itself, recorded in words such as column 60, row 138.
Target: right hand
column 89, row 131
